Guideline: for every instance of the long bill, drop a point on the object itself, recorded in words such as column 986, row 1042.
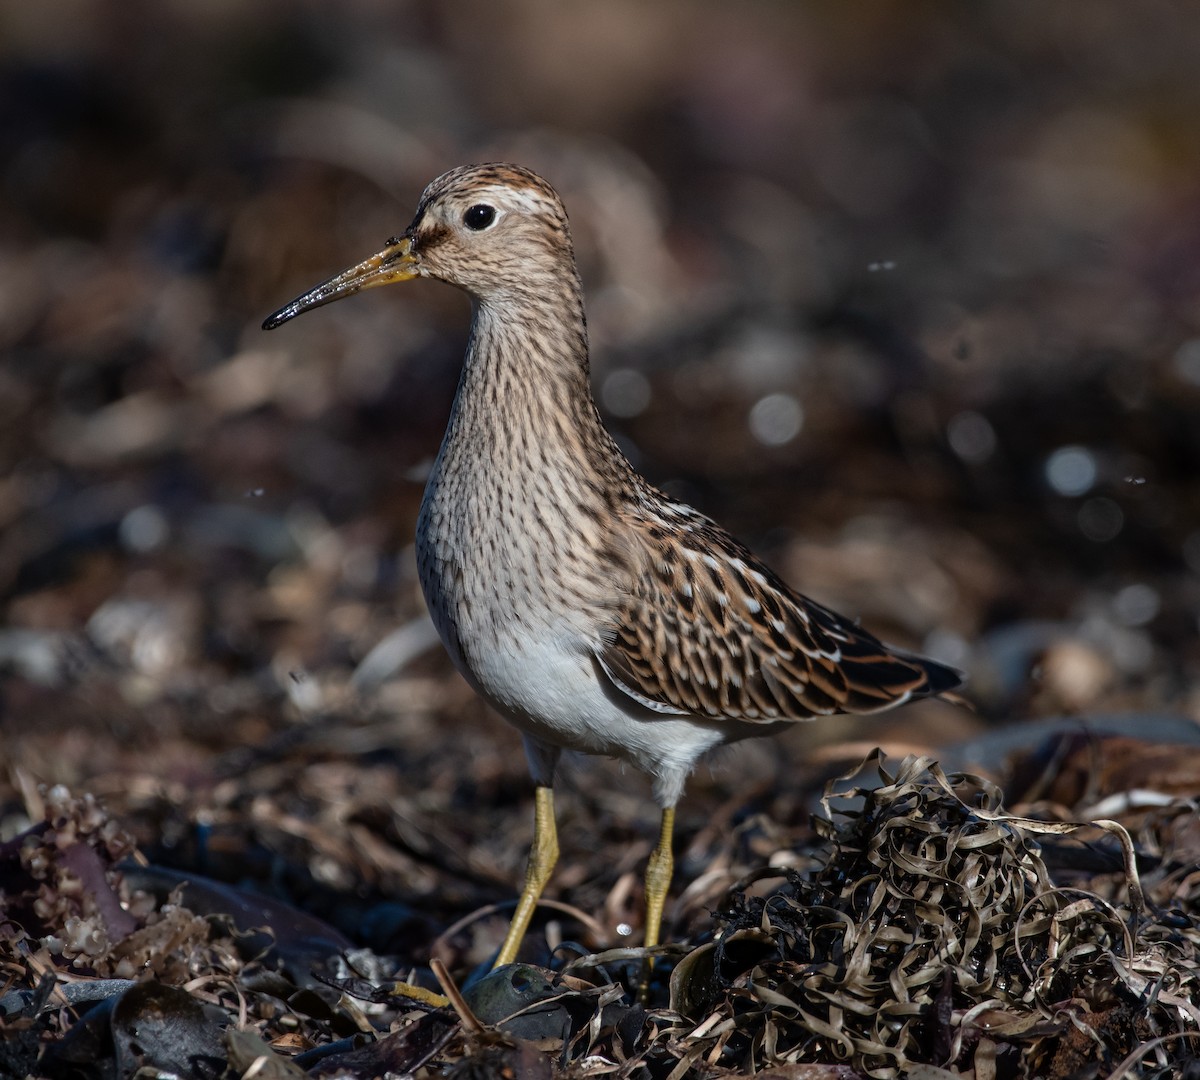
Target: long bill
column 396, row 262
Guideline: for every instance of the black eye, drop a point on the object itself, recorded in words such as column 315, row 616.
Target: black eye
column 479, row 217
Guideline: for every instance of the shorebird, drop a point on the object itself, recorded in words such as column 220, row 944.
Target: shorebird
column 591, row 610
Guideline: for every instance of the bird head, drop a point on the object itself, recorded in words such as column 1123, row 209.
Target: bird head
column 494, row 230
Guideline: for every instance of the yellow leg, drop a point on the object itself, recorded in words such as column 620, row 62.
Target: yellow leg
column 658, row 877
column 542, row 857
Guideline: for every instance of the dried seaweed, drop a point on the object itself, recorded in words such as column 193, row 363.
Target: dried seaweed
column 932, row 933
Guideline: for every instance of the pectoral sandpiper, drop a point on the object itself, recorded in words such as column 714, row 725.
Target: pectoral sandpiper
column 594, row 612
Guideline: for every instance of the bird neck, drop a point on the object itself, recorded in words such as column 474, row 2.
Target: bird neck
column 525, row 392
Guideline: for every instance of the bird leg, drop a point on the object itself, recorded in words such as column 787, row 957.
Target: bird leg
column 658, row 877
column 543, row 854
column 658, row 881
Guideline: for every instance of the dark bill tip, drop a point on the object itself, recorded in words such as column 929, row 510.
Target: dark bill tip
column 347, row 283
column 288, row 311
column 325, row 293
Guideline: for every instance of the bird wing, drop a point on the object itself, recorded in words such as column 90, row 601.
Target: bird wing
column 705, row 629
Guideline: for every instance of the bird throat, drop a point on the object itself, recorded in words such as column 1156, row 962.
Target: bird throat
column 524, row 477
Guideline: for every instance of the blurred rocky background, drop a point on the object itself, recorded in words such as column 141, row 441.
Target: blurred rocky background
column 905, row 295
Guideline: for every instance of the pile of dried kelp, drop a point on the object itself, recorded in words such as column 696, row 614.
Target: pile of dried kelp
column 933, row 931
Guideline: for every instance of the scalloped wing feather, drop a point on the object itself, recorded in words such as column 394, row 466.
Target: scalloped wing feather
column 707, row 630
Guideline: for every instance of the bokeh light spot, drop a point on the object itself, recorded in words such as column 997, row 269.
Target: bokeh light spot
column 625, row 393
column 971, row 436
column 776, row 419
column 1071, row 470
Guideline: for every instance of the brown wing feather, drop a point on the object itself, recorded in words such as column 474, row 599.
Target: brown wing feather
column 706, row 629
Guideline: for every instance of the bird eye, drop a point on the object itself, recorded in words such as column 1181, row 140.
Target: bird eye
column 479, row 217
